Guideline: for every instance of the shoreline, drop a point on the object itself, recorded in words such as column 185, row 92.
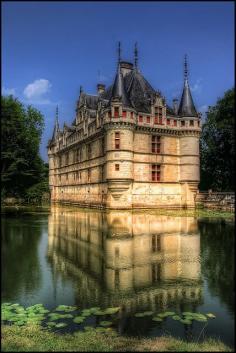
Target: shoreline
column 35, row 338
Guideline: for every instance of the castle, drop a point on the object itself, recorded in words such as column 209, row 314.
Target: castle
column 126, row 148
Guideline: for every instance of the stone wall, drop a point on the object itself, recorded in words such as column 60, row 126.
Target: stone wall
column 224, row 201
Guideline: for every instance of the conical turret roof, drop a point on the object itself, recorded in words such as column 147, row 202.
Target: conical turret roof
column 118, row 89
column 186, row 106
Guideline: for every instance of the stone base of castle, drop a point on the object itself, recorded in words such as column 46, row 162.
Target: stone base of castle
column 127, row 195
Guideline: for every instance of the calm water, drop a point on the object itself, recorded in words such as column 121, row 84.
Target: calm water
column 139, row 261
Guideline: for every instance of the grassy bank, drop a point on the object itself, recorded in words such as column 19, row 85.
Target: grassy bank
column 34, row 338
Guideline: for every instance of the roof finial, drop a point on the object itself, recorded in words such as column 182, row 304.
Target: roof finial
column 57, row 123
column 185, row 68
column 119, row 52
column 136, row 55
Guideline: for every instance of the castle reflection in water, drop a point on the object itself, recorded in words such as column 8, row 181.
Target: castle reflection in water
column 134, row 259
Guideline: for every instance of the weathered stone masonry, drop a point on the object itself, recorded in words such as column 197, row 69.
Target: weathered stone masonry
column 126, row 148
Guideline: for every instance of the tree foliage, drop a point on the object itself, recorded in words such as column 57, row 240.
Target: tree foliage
column 21, row 130
column 217, row 146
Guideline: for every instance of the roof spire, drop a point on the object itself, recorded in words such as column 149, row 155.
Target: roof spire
column 56, row 126
column 119, row 52
column 136, row 55
column 185, row 68
column 186, row 106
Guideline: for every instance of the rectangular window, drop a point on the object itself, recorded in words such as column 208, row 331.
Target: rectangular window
column 116, row 112
column 117, row 167
column 175, row 122
column 66, row 158
column 156, row 242
column 117, row 140
column 124, row 114
column 160, row 120
column 182, row 123
column 168, row 121
column 102, row 146
column 156, row 172
column 198, row 123
column 109, row 115
column 156, row 144
column 191, row 122
column 148, row 119
column 132, row 115
column 140, row 118
column 156, row 272
column 156, row 119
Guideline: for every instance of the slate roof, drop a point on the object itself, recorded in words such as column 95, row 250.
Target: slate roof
column 186, row 106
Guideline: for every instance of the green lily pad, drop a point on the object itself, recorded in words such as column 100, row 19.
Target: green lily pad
column 19, row 323
column 100, row 329
column 60, row 325
column 176, row 317
column 51, row 324
column 105, row 323
column 157, row 319
column 200, row 319
column 86, row 312
column 78, row 319
column 88, row 328
column 186, row 322
column 187, row 313
column 139, row 315
column 99, row 312
column 148, row 313
column 210, row 315
column 111, row 311
column 66, row 308
column 56, row 316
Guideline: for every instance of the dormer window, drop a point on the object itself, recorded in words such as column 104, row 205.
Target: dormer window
column 191, row 122
column 182, row 123
column 116, row 112
column 124, row 114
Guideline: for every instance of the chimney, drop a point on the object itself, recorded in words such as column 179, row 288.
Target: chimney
column 100, row 88
column 175, row 106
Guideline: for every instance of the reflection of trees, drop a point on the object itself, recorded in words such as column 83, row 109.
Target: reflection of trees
column 21, row 274
column 217, row 244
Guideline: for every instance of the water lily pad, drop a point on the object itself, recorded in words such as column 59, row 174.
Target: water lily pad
column 78, row 319
column 100, row 312
column 50, row 323
column 210, row 315
column 105, row 323
column 176, row 317
column 111, row 311
column 139, row 315
column 60, row 325
column 186, row 322
column 200, row 319
column 86, row 312
column 148, row 313
column 66, row 308
column 19, row 323
column 100, row 329
column 88, row 328
column 157, row 319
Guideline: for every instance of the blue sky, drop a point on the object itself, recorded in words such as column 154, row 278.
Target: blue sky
column 49, row 49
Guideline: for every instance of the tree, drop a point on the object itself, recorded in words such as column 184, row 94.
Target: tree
column 217, row 150
column 21, row 133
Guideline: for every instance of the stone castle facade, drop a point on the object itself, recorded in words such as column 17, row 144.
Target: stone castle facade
column 126, row 148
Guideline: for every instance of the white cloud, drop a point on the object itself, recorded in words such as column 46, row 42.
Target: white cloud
column 37, row 90
column 8, row 91
column 197, row 87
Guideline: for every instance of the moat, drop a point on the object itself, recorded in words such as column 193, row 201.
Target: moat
column 136, row 260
